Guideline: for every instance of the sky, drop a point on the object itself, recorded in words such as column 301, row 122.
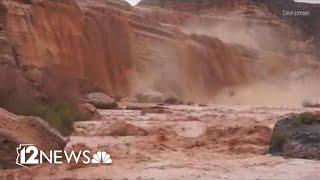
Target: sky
column 309, row 1
column 135, row 2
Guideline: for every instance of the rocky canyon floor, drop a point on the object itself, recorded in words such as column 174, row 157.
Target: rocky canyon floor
column 179, row 142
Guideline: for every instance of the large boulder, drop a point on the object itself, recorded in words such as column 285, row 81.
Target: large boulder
column 171, row 98
column 15, row 130
column 88, row 111
column 297, row 136
column 151, row 96
column 101, row 100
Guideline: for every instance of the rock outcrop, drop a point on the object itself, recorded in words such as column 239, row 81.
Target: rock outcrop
column 297, row 136
column 15, row 130
column 150, row 97
column 108, row 46
column 65, row 39
column 101, row 100
column 308, row 24
column 273, row 12
column 196, row 6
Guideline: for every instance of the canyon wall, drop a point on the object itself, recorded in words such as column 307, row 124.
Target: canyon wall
column 282, row 48
column 60, row 49
column 67, row 48
column 265, row 12
column 196, row 6
column 61, row 38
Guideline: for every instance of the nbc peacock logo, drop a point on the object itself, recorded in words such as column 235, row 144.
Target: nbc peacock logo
column 101, row 157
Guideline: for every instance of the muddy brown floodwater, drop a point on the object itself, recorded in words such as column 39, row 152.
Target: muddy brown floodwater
column 180, row 142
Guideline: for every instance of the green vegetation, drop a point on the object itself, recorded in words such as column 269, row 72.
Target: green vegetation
column 59, row 114
column 306, row 119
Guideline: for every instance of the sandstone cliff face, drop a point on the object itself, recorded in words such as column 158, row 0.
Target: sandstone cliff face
column 308, row 25
column 265, row 12
column 195, row 6
column 65, row 38
column 271, row 41
column 5, row 48
column 193, row 67
column 76, row 46
column 70, row 48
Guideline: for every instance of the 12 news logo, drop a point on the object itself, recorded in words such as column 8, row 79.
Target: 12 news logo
column 29, row 154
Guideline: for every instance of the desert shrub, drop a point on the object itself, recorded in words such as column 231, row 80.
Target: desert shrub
column 306, row 119
column 310, row 104
column 59, row 114
column 52, row 98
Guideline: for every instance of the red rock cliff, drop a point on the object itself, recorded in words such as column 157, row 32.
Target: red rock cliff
column 71, row 47
column 84, row 44
column 306, row 27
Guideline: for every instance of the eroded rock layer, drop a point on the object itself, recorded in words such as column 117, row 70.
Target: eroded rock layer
column 86, row 46
column 304, row 24
column 79, row 46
